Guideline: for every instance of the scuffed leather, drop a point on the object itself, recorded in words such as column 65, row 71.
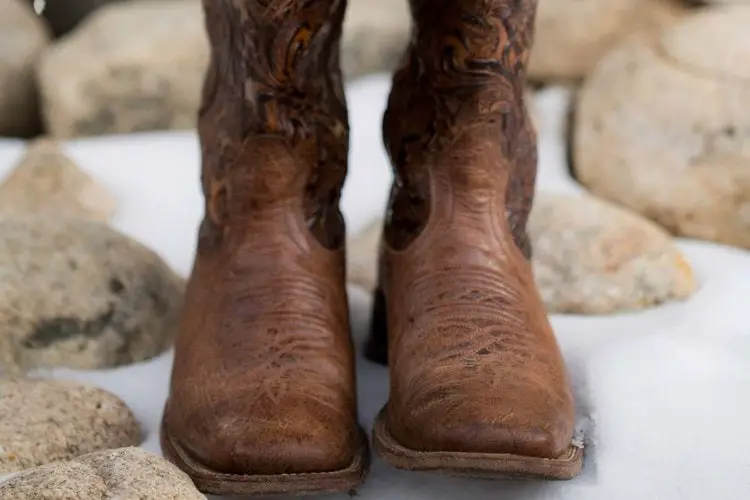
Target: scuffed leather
column 474, row 364
column 263, row 377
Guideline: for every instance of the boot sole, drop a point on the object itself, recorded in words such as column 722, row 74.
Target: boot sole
column 217, row 483
column 477, row 465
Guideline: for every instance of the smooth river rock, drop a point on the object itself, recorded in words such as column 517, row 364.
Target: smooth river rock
column 572, row 35
column 663, row 127
column 129, row 67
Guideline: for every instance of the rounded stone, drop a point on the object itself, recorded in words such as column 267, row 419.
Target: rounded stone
column 78, row 294
column 46, row 180
column 125, row 473
column 43, row 421
column 572, row 35
column 592, row 257
column 663, row 127
column 131, row 66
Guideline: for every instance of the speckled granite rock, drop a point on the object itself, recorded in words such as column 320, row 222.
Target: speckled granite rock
column 590, row 257
column 101, row 79
column 123, row 474
column 663, row 127
column 75, row 293
column 572, row 35
column 43, row 421
column 23, row 36
column 47, row 181
column 375, row 36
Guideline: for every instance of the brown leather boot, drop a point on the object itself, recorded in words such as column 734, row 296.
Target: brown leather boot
column 262, row 394
column 478, row 384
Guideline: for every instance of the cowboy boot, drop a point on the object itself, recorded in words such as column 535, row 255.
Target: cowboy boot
column 478, row 383
column 262, row 396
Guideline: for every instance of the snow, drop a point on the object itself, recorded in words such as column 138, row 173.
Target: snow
column 664, row 395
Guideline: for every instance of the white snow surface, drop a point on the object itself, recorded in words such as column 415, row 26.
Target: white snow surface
column 664, row 395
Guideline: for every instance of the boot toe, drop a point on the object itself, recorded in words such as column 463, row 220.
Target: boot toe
column 291, row 442
column 483, row 426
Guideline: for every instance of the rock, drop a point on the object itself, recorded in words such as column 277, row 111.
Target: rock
column 23, row 37
column 48, row 181
column 664, row 128
column 571, row 35
column 130, row 66
column 375, row 36
column 590, row 257
column 43, row 421
column 126, row 473
column 362, row 256
column 78, row 294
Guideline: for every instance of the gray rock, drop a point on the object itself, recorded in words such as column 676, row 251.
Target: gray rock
column 590, row 257
column 127, row 473
column 75, row 293
column 43, row 421
column 47, row 181
column 663, row 127
column 129, row 67
column 23, row 36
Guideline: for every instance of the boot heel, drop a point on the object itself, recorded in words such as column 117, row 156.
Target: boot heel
column 376, row 349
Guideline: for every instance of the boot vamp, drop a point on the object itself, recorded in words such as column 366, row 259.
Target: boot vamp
column 263, row 377
column 474, row 363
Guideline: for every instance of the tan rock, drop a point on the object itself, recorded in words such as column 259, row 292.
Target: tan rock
column 375, row 36
column 43, row 421
column 590, row 257
column 571, row 35
column 362, row 256
column 131, row 66
column 663, row 127
column 76, row 293
column 23, row 36
column 126, row 473
column 46, row 180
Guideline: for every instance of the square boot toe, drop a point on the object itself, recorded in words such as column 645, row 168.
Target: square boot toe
column 298, row 440
column 483, row 426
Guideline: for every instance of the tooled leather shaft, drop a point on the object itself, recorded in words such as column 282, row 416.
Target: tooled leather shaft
column 465, row 68
column 274, row 70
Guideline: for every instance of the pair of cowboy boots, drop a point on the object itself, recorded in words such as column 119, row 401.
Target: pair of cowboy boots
column 262, row 394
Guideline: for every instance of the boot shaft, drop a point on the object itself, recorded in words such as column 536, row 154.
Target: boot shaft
column 462, row 81
column 273, row 124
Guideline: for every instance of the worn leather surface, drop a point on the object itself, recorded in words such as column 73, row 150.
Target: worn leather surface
column 473, row 360
column 263, row 378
